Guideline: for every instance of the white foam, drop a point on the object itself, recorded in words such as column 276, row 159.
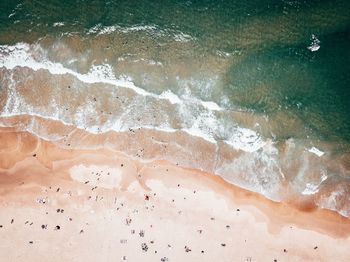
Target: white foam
column 334, row 200
column 310, row 189
column 171, row 97
column 17, row 8
column 21, row 55
column 222, row 53
column 178, row 36
column 95, row 29
column 211, row 105
column 31, row 128
column 118, row 127
column 316, row 151
column 193, row 131
column 182, row 37
column 257, row 171
column 107, row 30
column 315, row 44
column 313, row 188
column 205, row 87
column 138, row 28
column 102, row 30
column 196, row 121
column 58, row 24
column 153, row 62
column 246, row 139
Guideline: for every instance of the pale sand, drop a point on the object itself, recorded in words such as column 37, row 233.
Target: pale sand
column 185, row 208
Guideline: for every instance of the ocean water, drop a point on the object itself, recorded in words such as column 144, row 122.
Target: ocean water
column 257, row 92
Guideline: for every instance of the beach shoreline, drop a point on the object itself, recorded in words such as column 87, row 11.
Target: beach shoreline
column 174, row 131
column 63, row 204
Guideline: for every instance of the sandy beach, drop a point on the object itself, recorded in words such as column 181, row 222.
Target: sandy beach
column 174, row 131
column 61, row 204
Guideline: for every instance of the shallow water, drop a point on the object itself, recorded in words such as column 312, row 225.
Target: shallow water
column 260, row 86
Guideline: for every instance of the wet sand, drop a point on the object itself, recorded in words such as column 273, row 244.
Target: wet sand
column 64, row 204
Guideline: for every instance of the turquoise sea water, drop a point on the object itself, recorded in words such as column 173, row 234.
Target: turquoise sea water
column 245, row 72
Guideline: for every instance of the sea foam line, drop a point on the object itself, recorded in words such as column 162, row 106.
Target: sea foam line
column 316, row 151
column 243, row 139
column 19, row 56
column 177, row 35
